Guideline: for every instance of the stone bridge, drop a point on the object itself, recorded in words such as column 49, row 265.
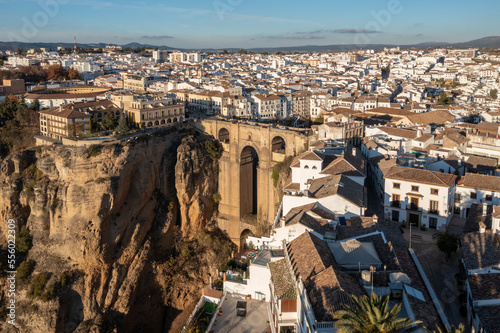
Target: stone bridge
column 249, row 199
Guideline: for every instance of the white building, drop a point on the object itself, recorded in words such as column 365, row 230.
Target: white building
column 419, row 197
column 476, row 189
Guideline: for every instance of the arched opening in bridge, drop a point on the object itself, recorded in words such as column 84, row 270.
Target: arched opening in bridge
column 249, row 161
column 278, row 145
column 224, row 135
column 243, row 238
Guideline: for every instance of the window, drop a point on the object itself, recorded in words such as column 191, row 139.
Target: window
column 414, row 188
column 434, row 191
column 488, row 197
column 396, row 185
column 395, row 215
column 458, row 197
column 395, row 200
column 433, row 222
column 306, row 167
column 434, row 207
column 473, row 195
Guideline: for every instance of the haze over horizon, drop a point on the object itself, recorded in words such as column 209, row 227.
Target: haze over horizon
column 245, row 24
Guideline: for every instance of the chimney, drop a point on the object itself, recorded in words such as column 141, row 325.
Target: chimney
column 485, row 208
column 482, row 228
column 375, row 218
column 353, row 151
column 60, row 108
column 419, row 133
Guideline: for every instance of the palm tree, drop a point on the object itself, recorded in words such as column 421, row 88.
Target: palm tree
column 453, row 329
column 367, row 315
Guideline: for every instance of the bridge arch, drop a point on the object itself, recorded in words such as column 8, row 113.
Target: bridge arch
column 278, row 145
column 249, row 162
column 243, row 237
column 224, row 135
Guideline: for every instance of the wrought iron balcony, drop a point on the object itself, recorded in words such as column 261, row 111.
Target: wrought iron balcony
column 413, row 207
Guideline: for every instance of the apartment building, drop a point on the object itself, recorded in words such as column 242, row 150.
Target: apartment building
column 301, row 103
column 150, row 111
column 476, row 189
column 138, row 83
column 350, row 131
column 160, row 55
column 419, row 197
column 63, row 121
column 12, row 86
column 267, row 106
column 180, row 57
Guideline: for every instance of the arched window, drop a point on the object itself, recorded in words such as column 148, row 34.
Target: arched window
column 314, row 168
column 306, row 167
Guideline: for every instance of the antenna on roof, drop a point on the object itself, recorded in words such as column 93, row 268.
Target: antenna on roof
column 74, row 46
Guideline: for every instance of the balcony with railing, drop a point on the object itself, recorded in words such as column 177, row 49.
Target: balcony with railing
column 396, row 204
column 414, row 208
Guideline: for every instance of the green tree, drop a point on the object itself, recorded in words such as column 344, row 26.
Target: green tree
column 24, row 270
column 35, row 106
column 23, row 241
column 494, row 93
column 447, row 243
column 367, row 315
column 122, row 127
column 109, row 121
column 444, row 99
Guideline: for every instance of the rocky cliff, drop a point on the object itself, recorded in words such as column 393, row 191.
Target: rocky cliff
column 124, row 234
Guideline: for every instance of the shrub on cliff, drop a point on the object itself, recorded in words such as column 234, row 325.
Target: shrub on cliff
column 216, row 197
column 214, row 149
column 23, row 241
column 94, row 150
column 39, row 288
column 24, row 270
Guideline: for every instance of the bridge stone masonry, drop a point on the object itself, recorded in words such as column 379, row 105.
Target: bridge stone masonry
column 245, row 172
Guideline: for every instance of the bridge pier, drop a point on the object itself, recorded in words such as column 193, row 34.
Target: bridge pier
column 271, row 145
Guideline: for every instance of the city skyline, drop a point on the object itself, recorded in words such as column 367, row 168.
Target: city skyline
column 238, row 23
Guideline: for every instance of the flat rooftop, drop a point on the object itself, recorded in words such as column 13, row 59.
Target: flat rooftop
column 255, row 320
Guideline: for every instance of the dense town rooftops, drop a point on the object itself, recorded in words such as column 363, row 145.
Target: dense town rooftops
column 481, row 250
column 481, row 182
column 282, row 281
column 421, row 176
column 338, row 185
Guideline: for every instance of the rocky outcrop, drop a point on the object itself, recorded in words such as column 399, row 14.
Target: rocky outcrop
column 109, row 218
column 196, row 182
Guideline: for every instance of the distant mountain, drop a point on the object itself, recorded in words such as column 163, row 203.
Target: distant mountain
column 486, row 42
column 53, row 46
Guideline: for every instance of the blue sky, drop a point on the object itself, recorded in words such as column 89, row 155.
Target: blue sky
column 247, row 23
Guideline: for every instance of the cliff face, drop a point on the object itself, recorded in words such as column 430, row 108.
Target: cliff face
column 110, row 221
